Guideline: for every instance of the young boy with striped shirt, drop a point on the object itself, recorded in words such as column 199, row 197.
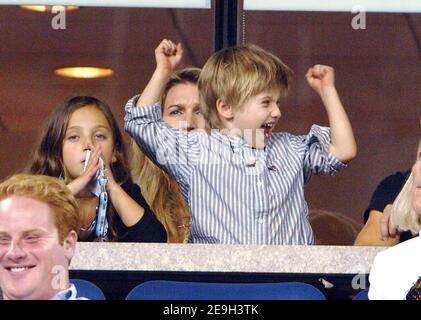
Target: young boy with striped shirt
column 243, row 182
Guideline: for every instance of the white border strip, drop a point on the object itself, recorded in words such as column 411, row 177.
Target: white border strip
column 334, row 5
column 187, row 4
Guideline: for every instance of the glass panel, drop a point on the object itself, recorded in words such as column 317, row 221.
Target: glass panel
column 122, row 39
column 378, row 79
column 327, row 5
column 196, row 4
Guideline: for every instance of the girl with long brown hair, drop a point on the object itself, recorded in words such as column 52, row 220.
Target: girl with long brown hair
column 86, row 125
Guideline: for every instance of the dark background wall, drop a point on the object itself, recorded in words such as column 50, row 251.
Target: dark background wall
column 377, row 75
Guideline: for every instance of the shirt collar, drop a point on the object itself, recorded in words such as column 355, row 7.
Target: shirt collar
column 236, row 143
column 68, row 294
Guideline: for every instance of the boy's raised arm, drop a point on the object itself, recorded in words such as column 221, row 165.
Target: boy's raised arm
column 167, row 56
column 143, row 119
column 322, row 80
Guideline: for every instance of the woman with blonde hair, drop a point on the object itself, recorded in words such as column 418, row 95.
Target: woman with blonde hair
column 396, row 272
column 179, row 99
column 376, row 216
column 403, row 214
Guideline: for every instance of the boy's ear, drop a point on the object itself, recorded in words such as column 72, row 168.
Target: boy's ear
column 225, row 110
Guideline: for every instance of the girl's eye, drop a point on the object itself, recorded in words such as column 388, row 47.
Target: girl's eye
column 265, row 102
column 73, row 138
column 198, row 113
column 175, row 113
column 100, row 136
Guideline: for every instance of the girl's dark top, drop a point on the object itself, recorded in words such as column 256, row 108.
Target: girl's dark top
column 415, row 292
column 147, row 229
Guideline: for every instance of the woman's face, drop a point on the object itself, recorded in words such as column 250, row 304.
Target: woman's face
column 181, row 107
column 416, row 185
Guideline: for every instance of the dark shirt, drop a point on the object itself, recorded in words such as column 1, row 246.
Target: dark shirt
column 147, row 229
column 385, row 193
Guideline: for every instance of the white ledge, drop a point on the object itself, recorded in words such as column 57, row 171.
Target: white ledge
column 223, row 258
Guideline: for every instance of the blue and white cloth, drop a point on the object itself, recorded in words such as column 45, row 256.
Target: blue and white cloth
column 68, row 294
column 237, row 194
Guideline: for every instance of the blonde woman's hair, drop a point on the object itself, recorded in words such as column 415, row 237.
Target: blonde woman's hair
column 162, row 194
column 182, row 76
column 235, row 74
column 161, row 191
column 403, row 214
column 51, row 191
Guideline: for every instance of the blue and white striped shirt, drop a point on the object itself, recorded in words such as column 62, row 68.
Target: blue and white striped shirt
column 237, row 194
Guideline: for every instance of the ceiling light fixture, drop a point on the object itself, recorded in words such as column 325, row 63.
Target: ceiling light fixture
column 48, row 8
column 84, row 72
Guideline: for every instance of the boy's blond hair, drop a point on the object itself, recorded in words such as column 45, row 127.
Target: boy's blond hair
column 51, row 191
column 235, row 74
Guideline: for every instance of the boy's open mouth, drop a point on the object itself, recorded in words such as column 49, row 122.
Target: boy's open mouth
column 267, row 127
